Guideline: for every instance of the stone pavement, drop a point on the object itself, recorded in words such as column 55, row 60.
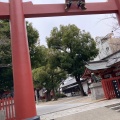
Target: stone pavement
column 96, row 114
column 87, row 109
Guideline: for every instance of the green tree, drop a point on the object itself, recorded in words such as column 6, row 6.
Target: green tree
column 56, row 73
column 45, row 77
column 34, row 47
column 75, row 48
column 6, row 77
column 49, row 75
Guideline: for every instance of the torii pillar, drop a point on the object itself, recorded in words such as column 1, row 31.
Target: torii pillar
column 17, row 11
column 23, row 84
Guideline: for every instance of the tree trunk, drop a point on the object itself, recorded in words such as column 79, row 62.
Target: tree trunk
column 48, row 97
column 80, row 85
column 53, row 94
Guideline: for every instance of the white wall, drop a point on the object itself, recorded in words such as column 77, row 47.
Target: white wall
column 104, row 48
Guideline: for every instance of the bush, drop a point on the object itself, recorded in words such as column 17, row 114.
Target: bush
column 59, row 95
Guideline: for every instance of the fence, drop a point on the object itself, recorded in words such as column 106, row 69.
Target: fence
column 7, row 109
column 108, row 87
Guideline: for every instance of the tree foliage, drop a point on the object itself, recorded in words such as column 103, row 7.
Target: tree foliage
column 75, row 47
column 43, row 60
column 6, row 77
column 49, row 75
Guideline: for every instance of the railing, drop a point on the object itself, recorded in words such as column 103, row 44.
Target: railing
column 108, row 87
column 7, row 105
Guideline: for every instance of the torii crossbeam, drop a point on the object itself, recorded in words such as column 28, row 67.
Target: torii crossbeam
column 17, row 11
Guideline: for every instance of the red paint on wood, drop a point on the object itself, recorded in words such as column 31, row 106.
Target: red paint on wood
column 48, row 10
column 118, row 7
column 4, row 10
column 7, row 105
column 108, row 87
column 23, row 83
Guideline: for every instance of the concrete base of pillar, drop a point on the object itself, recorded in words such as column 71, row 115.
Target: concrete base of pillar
column 34, row 118
column 96, row 91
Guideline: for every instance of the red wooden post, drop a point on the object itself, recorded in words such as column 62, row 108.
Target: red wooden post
column 104, row 89
column 6, row 107
column 12, row 108
column 118, row 14
column 23, row 84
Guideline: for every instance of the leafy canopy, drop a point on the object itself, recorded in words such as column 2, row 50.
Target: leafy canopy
column 6, row 77
column 49, row 75
column 75, row 46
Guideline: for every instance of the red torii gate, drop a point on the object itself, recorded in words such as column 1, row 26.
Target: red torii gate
column 17, row 11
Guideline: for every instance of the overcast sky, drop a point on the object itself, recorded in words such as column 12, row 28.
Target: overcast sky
column 90, row 23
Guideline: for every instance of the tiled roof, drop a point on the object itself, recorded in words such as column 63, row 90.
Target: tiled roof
column 97, row 65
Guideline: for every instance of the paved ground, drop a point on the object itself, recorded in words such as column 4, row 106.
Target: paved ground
column 96, row 114
column 77, row 108
column 62, row 104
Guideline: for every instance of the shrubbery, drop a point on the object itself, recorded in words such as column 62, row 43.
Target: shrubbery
column 59, row 95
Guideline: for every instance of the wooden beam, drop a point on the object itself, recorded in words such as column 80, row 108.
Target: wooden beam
column 49, row 10
column 4, row 10
column 118, row 7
